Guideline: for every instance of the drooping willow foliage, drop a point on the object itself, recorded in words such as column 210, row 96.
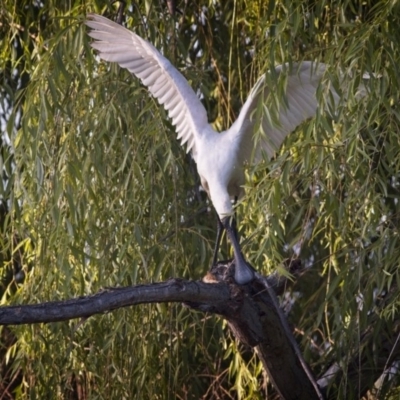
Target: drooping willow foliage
column 97, row 192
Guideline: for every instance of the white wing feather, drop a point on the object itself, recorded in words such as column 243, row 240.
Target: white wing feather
column 118, row 44
column 299, row 103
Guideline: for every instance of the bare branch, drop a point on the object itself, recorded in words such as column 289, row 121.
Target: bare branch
column 174, row 290
column 251, row 310
column 205, row 296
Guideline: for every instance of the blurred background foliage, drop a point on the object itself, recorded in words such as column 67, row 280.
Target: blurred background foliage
column 97, row 192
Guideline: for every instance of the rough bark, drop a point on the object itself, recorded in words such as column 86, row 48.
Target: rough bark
column 255, row 318
column 174, row 290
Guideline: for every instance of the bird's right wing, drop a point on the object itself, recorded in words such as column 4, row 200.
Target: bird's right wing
column 299, row 102
column 118, row 44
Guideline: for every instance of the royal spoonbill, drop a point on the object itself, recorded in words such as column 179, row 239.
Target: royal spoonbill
column 219, row 156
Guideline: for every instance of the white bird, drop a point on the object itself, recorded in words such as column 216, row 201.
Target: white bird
column 219, row 156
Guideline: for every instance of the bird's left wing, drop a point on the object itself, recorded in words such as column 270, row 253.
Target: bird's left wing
column 299, row 103
column 118, row 44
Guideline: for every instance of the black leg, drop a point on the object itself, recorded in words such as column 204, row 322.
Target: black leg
column 243, row 272
column 234, row 220
column 233, row 223
column 220, row 230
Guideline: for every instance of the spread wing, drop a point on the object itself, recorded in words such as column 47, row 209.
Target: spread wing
column 299, row 103
column 118, row 44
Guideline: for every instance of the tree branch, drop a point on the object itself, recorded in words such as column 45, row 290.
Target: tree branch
column 197, row 294
column 174, row 290
column 251, row 310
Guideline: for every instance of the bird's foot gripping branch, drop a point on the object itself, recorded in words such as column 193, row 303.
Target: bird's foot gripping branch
column 254, row 317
